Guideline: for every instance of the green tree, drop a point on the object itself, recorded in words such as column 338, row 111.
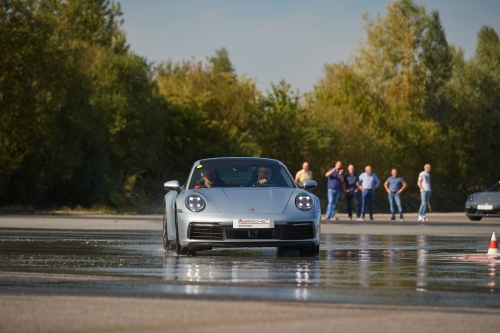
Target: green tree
column 376, row 100
column 210, row 112
column 474, row 93
column 280, row 126
column 436, row 58
column 220, row 62
column 77, row 108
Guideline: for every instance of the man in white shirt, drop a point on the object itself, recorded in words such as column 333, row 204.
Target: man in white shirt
column 424, row 183
column 368, row 182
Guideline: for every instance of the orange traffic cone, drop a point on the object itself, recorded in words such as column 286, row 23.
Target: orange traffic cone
column 493, row 249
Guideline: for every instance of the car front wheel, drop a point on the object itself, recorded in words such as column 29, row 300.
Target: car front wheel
column 166, row 243
column 291, row 251
column 475, row 218
column 311, row 251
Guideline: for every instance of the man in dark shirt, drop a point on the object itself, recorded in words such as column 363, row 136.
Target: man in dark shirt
column 351, row 180
column 335, row 180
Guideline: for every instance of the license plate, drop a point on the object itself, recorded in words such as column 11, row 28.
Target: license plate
column 253, row 223
column 484, row 207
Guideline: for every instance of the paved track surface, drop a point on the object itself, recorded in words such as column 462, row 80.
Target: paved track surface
column 82, row 222
column 19, row 313
column 80, row 310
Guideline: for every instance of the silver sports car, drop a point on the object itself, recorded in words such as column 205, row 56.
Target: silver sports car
column 484, row 204
column 241, row 202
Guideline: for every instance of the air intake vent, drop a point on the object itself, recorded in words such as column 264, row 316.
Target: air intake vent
column 298, row 231
column 209, row 232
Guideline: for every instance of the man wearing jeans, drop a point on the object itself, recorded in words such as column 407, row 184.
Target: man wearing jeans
column 368, row 182
column 335, row 180
column 394, row 185
column 424, row 183
column 351, row 182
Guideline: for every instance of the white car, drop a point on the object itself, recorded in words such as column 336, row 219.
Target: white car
column 483, row 204
column 241, row 202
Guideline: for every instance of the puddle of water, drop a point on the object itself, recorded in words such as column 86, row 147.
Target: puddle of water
column 366, row 262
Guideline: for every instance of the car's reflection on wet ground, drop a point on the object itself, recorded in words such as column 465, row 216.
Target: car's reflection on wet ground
column 349, row 267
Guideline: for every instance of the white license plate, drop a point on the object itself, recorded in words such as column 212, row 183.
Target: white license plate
column 253, row 223
column 484, row 207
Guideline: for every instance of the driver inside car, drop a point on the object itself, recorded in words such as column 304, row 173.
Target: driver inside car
column 263, row 175
column 209, row 179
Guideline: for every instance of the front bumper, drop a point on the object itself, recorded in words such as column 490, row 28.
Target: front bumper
column 206, row 231
column 471, row 210
column 199, row 246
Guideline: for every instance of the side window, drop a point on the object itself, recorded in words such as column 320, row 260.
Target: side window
column 285, row 178
column 196, row 177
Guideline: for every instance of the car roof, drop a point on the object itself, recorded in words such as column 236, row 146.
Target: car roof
column 238, row 159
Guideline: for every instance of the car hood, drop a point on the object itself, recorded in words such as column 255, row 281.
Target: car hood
column 487, row 197
column 265, row 200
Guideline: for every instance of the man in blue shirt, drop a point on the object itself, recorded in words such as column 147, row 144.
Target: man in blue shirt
column 351, row 180
column 368, row 182
column 394, row 185
column 335, row 180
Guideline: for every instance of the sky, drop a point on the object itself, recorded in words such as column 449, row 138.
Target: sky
column 273, row 40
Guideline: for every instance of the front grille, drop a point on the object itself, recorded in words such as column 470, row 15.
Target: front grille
column 291, row 231
column 206, row 232
column 298, row 231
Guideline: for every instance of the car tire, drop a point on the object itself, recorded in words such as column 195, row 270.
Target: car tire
column 311, row 251
column 166, row 242
column 177, row 242
column 475, row 218
column 185, row 251
column 283, row 251
column 288, row 251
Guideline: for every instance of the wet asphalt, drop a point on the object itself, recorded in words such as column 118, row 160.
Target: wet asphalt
column 358, row 268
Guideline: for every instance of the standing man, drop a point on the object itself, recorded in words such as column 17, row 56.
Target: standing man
column 394, row 185
column 303, row 174
column 351, row 183
column 424, row 183
column 335, row 180
column 368, row 182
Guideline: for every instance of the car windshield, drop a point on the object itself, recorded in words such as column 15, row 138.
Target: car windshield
column 494, row 188
column 240, row 174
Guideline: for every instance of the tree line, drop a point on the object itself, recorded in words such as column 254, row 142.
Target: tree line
column 86, row 121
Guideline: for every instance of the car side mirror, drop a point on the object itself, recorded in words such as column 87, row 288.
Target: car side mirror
column 172, row 185
column 308, row 184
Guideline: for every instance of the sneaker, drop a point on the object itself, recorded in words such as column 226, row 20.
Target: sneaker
column 392, row 218
column 350, row 218
column 401, row 219
column 424, row 218
column 419, row 218
column 361, row 218
column 371, row 218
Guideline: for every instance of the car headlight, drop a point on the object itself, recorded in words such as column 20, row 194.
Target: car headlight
column 195, row 203
column 470, row 198
column 304, row 202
